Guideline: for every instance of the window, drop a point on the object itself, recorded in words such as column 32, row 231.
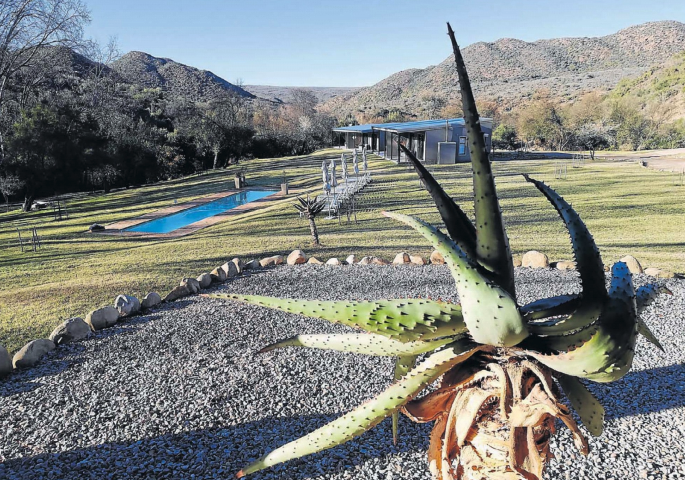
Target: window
column 486, row 137
column 462, row 145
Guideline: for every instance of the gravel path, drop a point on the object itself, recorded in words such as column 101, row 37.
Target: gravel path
column 179, row 393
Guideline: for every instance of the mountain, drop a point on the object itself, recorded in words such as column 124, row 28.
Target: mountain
column 660, row 88
column 510, row 70
column 284, row 94
column 153, row 72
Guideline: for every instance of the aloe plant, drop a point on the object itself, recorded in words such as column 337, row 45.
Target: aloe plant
column 501, row 366
column 310, row 208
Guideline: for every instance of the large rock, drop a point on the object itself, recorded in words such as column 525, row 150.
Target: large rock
column 351, row 259
column 401, row 258
column 271, row 261
column 204, row 279
column 366, row 261
column 535, row 259
column 70, row 330
column 96, row 227
column 566, row 265
column 297, row 257
column 5, row 362
column 333, row 261
column 379, row 261
column 192, row 284
column 127, row 305
column 104, row 317
column 178, row 292
column 32, row 352
column 314, row 261
column 436, row 258
column 417, row 260
column 230, row 269
column 658, row 273
column 238, row 265
column 152, row 299
column 632, row 263
column 252, row 265
column 517, row 262
column 218, row 275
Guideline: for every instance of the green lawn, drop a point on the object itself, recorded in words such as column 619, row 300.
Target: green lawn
column 628, row 209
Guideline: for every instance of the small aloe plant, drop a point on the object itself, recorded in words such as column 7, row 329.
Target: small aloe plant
column 496, row 361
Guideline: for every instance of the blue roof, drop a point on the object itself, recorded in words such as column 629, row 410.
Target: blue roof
column 399, row 127
column 368, row 128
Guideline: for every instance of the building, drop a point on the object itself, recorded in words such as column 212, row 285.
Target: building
column 432, row 141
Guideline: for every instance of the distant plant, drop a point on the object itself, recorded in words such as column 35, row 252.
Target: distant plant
column 10, row 185
column 310, row 208
column 497, row 403
column 504, row 137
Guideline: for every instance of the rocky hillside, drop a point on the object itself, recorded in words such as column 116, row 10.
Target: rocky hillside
column 284, row 94
column 197, row 85
column 661, row 87
column 511, row 70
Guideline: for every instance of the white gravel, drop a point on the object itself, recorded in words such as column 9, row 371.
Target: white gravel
column 180, row 393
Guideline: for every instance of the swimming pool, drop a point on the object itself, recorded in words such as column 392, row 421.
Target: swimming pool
column 186, row 217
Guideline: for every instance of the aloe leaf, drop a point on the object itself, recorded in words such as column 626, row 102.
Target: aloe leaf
column 492, row 248
column 647, row 294
column 644, row 330
column 608, row 353
column 402, row 366
column 404, row 320
column 588, row 408
column 589, row 264
column 364, row 343
column 371, row 413
column 490, row 313
column 550, row 307
column 457, row 223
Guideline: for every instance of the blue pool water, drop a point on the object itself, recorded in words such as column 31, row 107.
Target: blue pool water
column 186, row 217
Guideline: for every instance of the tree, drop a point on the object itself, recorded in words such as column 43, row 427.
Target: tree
column 432, row 104
column 28, row 28
column 10, row 185
column 504, row 137
column 545, row 122
column 303, row 102
column 593, row 136
column 105, row 176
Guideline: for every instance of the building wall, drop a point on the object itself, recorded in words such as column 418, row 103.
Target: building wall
column 459, row 134
column 431, row 145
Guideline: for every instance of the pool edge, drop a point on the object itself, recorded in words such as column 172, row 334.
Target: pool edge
column 118, row 229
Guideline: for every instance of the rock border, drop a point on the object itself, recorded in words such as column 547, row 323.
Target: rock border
column 125, row 306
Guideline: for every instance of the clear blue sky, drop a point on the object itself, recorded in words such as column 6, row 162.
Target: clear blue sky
column 349, row 43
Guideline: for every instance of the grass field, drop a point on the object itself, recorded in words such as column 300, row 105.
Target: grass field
column 629, row 209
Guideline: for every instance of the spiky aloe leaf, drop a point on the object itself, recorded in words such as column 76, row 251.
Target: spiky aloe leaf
column 403, row 365
column 608, row 354
column 457, row 223
column 370, row 413
column 490, row 313
column 492, row 248
column 404, row 320
column 589, row 264
column 644, row 297
column 550, row 307
column 646, row 294
column 364, row 343
column 644, row 330
column 588, row 408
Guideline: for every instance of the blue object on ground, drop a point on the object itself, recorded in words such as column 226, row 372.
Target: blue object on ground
column 191, row 215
